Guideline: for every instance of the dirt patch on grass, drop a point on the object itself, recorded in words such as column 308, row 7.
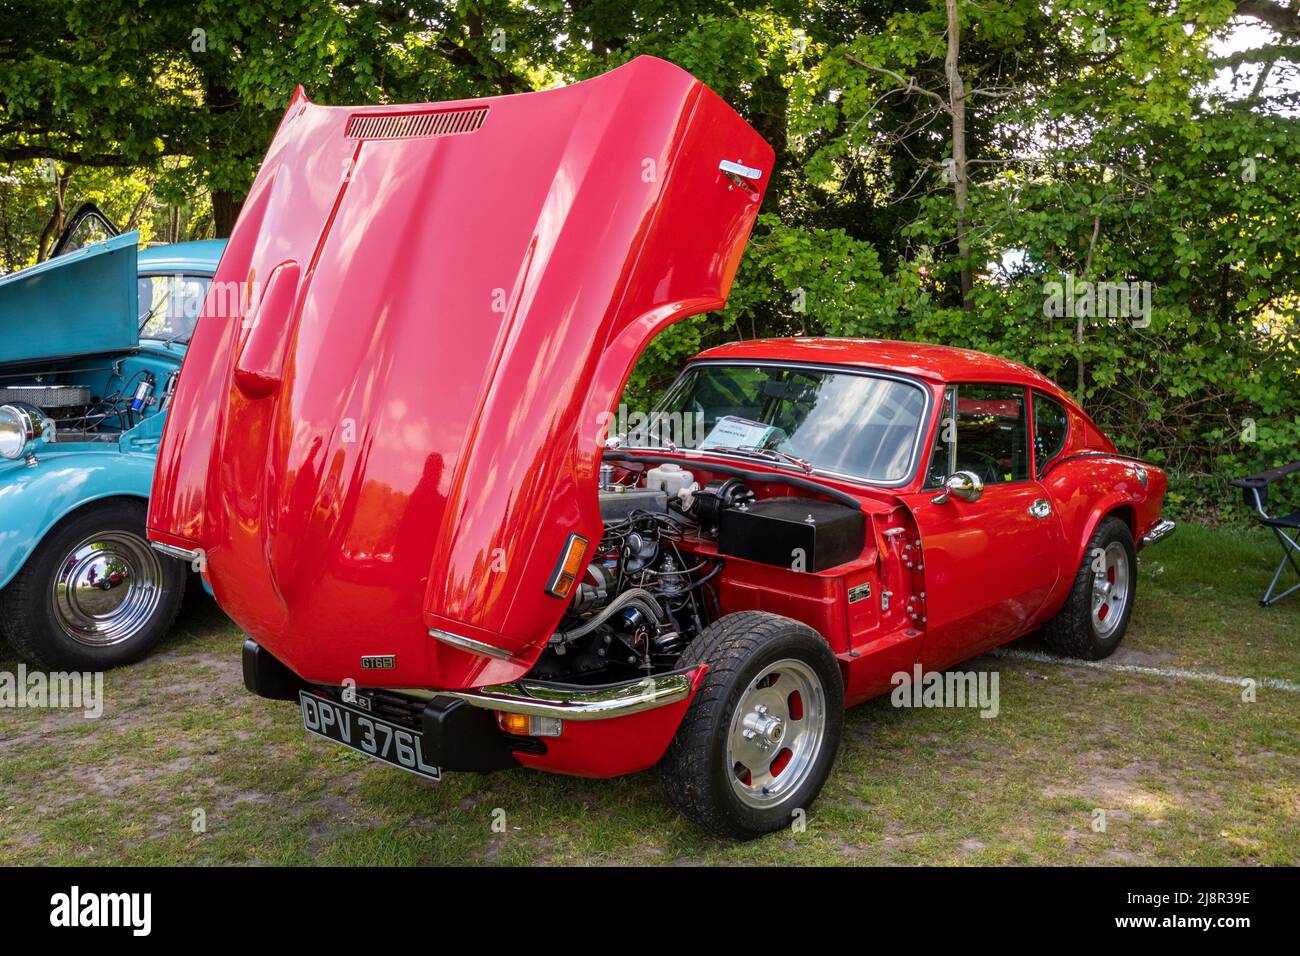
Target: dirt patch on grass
column 1117, row 790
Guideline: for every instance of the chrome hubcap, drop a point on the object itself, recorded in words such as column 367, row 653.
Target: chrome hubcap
column 776, row 733
column 1110, row 590
column 107, row 589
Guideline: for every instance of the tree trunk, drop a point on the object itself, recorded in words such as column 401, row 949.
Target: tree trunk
column 1081, row 366
column 8, row 242
column 137, row 212
column 225, row 210
column 771, row 121
column 957, row 107
column 50, row 234
column 221, row 101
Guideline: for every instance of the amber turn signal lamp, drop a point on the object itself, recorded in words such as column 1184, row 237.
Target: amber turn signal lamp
column 526, row 725
column 516, row 724
column 568, row 567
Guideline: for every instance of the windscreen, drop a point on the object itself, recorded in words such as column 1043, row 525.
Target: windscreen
column 850, row 423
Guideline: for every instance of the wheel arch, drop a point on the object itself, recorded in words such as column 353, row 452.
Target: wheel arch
column 1125, row 512
column 1072, row 627
column 36, row 501
column 1118, row 505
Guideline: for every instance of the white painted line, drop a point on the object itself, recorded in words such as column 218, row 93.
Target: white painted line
column 1038, row 657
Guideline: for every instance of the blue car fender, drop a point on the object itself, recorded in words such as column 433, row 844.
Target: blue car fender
column 35, row 499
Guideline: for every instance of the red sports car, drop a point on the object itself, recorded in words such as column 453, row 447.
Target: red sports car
column 396, row 471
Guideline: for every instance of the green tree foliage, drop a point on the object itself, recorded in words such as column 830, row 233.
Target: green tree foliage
column 128, row 84
column 1095, row 148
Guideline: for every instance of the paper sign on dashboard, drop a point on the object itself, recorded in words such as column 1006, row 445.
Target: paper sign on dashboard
column 733, row 432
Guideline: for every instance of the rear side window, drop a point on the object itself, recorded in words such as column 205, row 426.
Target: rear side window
column 983, row 429
column 1051, row 426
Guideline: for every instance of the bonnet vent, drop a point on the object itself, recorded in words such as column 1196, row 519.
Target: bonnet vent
column 408, row 125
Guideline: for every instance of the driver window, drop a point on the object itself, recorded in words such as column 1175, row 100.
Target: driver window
column 85, row 233
column 992, row 432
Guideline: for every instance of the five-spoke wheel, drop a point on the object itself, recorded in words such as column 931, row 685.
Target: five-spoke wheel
column 1096, row 614
column 1110, row 590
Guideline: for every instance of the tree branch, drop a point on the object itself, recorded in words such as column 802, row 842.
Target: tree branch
column 1263, row 54
column 1283, row 19
column 12, row 154
column 906, row 82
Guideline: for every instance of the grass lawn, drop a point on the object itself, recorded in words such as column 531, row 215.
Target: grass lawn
column 1185, row 770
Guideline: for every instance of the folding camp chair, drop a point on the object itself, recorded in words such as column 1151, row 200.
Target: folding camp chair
column 1287, row 527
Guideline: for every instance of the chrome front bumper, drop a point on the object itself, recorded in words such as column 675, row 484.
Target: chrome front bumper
column 569, row 702
column 1163, row 529
column 267, row 677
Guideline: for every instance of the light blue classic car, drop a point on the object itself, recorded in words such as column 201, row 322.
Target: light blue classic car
column 91, row 344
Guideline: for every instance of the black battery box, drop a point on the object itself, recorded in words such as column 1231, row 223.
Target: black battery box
column 805, row 534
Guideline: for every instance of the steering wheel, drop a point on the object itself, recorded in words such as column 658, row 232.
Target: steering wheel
column 989, row 468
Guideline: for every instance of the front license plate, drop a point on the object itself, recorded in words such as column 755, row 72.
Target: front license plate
column 365, row 734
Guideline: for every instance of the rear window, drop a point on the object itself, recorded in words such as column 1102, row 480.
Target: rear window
column 1051, row 426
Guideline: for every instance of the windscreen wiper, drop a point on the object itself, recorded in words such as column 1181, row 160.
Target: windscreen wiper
column 149, row 316
column 771, row 454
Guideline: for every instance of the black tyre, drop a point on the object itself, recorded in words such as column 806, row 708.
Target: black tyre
column 94, row 594
column 1096, row 615
column 761, row 734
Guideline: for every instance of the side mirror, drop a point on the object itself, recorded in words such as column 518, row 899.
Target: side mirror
column 966, row 485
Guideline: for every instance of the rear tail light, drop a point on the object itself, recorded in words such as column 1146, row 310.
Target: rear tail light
column 568, row 567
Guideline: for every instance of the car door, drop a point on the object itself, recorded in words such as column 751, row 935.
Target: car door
column 988, row 563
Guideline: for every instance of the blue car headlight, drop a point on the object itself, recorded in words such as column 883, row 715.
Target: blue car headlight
column 22, row 427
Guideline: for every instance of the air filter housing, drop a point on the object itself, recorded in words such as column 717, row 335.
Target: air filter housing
column 48, row 398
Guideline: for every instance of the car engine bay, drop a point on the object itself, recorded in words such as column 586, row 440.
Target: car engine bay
column 92, row 401
column 651, row 586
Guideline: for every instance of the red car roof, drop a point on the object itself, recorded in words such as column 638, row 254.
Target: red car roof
column 937, row 362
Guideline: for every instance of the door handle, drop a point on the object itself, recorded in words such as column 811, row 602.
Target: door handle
column 1041, row 508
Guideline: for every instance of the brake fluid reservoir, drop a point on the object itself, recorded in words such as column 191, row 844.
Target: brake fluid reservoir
column 669, row 478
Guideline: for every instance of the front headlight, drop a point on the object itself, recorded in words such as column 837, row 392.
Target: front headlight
column 21, row 427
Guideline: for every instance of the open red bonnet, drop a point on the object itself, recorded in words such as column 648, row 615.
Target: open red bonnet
column 438, row 305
